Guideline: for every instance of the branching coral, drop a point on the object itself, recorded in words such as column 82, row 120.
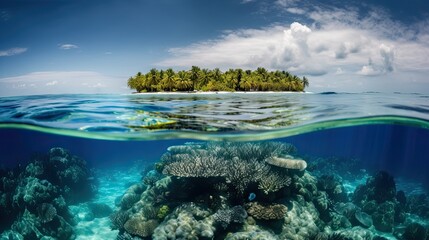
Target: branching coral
column 240, row 164
column 274, row 182
column 235, row 214
column 241, row 173
column 196, row 165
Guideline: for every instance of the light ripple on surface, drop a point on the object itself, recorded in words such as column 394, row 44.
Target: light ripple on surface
column 149, row 116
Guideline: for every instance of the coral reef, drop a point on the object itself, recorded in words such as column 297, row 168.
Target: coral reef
column 274, row 182
column 378, row 198
column 269, row 212
column 188, row 221
column 381, row 187
column 288, row 163
column 118, row 219
column 240, row 164
column 415, row 231
column 224, row 190
column 224, row 217
column 47, row 212
column 418, row 204
column 332, row 185
column 139, row 227
column 35, row 198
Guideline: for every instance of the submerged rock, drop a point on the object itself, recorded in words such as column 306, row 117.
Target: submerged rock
column 381, row 187
column 415, row 231
column 364, row 219
column 384, row 216
column 35, row 198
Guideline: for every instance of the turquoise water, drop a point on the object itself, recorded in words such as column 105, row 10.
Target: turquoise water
column 215, row 166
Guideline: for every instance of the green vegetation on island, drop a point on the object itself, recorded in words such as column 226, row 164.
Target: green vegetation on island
column 216, row 80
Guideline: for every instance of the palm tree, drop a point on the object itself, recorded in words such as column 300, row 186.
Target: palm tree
column 246, row 83
column 233, row 79
column 152, row 79
column 205, row 76
column 183, row 81
column 132, row 83
column 195, row 74
column 305, row 82
column 169, row 79
column 263, row 73
column 217, row 75
column 239, row 76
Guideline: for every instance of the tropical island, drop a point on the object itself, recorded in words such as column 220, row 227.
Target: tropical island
column 197, row 79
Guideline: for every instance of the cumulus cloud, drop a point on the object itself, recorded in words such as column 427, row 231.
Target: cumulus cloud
column 387, row 54
column 67, row 46
column 333, row 45
column 12, row 52
column 274, row 47
column 60, row 82
column 369, row 69
column 385, row 64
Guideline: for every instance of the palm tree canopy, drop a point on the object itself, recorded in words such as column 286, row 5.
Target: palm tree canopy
column 215, row 80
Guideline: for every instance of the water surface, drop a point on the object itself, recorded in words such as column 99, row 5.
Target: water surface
column 357, row 147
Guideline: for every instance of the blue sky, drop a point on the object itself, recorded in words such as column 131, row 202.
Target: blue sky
column 94, row 46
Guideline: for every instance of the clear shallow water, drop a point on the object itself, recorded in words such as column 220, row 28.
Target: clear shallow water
column 367, row 141
column 200, row 115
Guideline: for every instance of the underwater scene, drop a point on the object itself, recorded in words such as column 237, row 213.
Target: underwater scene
column 327, row 166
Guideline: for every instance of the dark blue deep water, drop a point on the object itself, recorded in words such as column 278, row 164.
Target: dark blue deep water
column 150, row 167
column 401, row 150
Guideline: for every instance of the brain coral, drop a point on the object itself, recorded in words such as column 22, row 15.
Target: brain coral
column 140, row 228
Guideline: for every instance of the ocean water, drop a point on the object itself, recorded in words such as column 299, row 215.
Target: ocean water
column 215, row 166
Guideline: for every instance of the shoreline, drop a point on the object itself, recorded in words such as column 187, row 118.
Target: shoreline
column 216, row 92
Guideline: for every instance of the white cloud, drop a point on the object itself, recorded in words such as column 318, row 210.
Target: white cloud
column 247, row 1
column 370, row 69
column 387, row 55
column 386, row 64
column 286, row 3
column 108, row 53
column 67, row 46
column 335, row 39
column 55, row 82
column 296, row 10
column 12, row 52
column 62, row 82
column 339, row 71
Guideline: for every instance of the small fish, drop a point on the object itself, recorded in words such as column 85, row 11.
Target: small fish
column 252, row 196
